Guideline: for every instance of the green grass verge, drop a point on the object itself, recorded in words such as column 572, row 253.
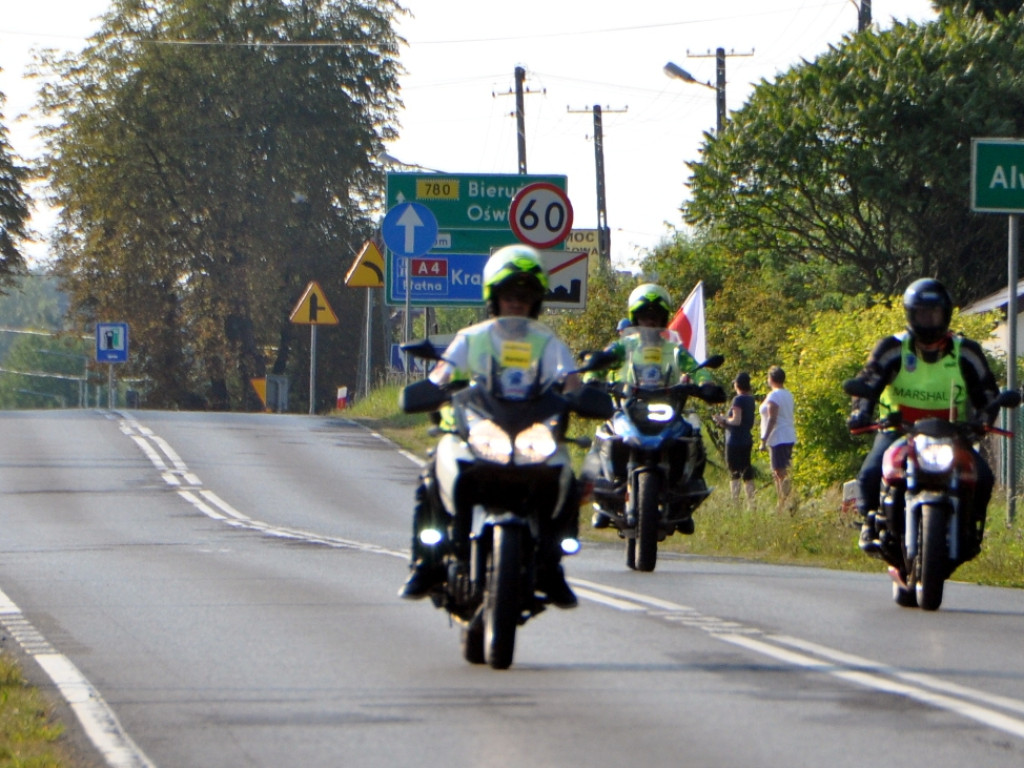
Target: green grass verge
column 810, row 529
column 29, row 733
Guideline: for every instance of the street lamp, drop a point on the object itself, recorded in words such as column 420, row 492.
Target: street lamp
column 674, row 70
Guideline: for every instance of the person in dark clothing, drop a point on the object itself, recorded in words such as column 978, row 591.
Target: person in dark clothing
column 738, row 423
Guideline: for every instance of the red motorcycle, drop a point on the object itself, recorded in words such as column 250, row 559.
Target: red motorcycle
column 926, row 528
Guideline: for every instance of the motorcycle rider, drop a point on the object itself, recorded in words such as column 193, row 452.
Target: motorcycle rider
column 913, row 375
column 514, row 286
column 648, row 306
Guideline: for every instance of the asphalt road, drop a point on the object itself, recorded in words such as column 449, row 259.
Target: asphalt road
column 219, row 590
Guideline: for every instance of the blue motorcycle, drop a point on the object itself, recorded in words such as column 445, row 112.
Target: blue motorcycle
column 651, row 454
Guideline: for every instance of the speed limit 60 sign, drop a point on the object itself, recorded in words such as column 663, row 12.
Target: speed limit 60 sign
column 541, row 215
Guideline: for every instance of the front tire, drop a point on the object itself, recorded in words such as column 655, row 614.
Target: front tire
column 933, row 557
column 501, row 596
column 647, row 489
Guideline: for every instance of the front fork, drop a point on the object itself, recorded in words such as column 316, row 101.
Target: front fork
column 481, row 542
column 912, row 524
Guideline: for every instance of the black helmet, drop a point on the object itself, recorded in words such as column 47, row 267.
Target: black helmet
column 920, row 302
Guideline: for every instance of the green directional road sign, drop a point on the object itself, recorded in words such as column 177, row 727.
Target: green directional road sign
column 464, row 200
column 472, row 216
column 997, row 175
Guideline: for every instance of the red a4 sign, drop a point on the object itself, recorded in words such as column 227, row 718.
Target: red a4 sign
column 429, row 267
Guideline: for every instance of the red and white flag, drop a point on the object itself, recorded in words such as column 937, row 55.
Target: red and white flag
column 689, row 323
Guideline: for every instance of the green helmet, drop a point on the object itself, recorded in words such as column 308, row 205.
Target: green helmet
column 519, row 266
column 649, row 295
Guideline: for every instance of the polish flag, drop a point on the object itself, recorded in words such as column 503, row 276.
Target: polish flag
column 689, row 323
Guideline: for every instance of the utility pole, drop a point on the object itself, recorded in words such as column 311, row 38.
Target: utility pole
column 604, row 235
column 520, row 114
column 719, row 86
column 864, row 15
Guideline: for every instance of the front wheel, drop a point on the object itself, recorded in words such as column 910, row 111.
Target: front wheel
column 647, row 489
column 933, row 556
column 501, row 596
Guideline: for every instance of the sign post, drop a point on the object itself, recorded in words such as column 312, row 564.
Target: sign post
column 313, row 310
column 997, row 186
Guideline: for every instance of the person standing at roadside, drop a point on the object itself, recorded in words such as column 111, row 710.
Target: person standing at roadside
column 778, row 430
column 738, row 424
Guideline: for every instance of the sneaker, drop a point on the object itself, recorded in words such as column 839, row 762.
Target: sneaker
column 419, row 583
column 558, row 590
column 601, row 519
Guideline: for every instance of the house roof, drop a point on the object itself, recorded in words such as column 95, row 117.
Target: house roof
column 997, row 300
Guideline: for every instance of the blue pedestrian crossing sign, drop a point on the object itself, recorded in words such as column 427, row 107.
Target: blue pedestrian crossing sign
column 111, row 342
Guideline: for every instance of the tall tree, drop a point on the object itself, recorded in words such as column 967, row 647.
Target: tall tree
column 212, row 157
column 14, row 208
column 988, row 8
column 861, row 159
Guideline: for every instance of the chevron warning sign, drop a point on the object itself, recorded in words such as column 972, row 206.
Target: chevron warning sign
column 367, row 270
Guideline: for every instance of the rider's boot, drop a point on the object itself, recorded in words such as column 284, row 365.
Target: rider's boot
column 554, row 585
column 600, row 518
column 425, row 572
column 869, row 543
column 422, row 578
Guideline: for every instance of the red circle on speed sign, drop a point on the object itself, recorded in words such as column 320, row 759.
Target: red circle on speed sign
column 541, row 215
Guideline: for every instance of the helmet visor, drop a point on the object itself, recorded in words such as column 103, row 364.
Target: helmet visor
column 522, row 287
column 928, row 323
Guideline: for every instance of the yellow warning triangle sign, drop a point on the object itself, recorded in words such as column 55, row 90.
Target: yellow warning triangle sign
column 313, row 308
column 367, row 271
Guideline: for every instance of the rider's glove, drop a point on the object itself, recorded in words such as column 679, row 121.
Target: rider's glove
column 595, row 361
column 712, row 393
column 859, row 419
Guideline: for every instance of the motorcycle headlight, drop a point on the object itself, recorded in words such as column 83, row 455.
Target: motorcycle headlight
column 660, row 412
column 489, row 441
column 431, row 536
column 933, row 455
column 535, row 444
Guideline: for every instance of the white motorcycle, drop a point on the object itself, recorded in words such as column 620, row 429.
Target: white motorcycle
column 503, row 475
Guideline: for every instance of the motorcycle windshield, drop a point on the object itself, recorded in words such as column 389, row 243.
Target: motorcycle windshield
column 516, row 370
column 650, row 356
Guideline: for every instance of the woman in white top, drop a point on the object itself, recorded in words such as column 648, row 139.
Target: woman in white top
column 778, row 429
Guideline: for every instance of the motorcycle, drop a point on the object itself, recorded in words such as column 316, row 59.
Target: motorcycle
column 651, row 475
column 503, row 472
column 924, row 521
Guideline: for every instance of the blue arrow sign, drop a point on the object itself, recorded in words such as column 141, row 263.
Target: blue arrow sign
column 409, row 229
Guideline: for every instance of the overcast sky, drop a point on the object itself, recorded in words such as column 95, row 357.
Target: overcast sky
column 458, row 90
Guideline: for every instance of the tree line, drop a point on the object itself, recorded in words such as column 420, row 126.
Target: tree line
column 211, row 157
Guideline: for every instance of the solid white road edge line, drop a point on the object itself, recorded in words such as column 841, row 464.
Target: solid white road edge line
column 98, row 720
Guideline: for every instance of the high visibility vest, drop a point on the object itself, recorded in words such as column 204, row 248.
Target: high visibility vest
column 923, row 389
column 514, row 357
